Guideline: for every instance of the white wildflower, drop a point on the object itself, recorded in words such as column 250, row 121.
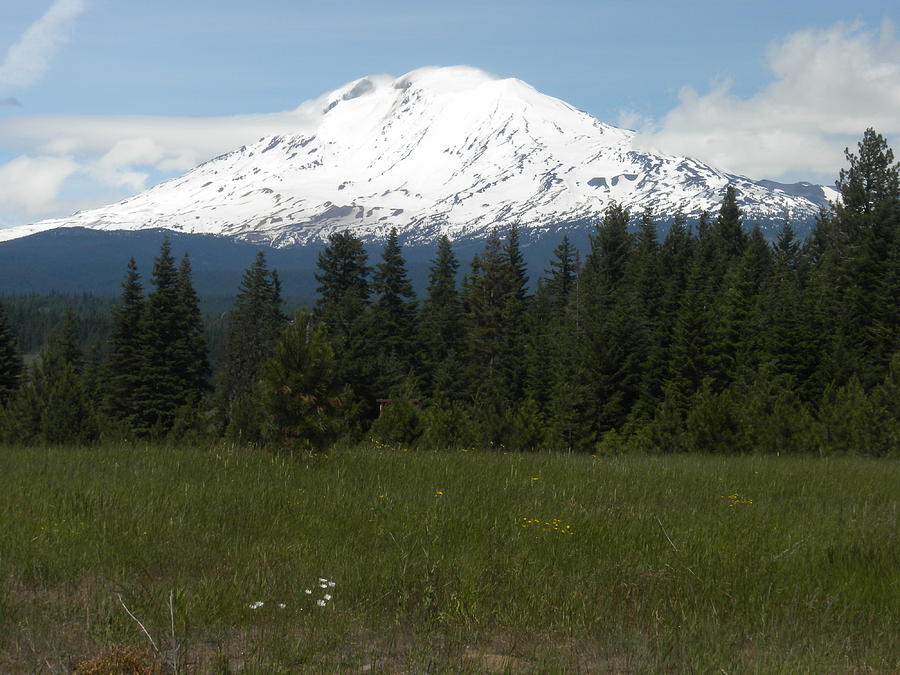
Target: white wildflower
column 307, row 591
column 327, row 596
column 320, row 603
column 331, row 584
column 281, row 605
column 256, row 605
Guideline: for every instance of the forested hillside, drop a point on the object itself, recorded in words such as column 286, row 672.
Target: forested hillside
column 710, row 340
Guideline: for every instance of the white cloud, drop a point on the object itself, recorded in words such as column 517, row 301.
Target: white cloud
column 28, row 59
column 167, row 143
column 116, row 155
column 28, row 185
column 828, row 86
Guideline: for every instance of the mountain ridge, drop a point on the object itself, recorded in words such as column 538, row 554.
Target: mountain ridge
column 452, row 151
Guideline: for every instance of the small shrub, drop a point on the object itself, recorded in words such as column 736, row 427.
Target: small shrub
column 120, row 660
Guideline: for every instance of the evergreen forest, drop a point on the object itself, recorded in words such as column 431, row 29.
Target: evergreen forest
column 708, row 339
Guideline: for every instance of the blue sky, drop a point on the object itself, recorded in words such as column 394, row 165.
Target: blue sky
column 684, row 73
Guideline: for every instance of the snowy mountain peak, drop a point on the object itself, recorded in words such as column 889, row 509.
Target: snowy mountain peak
column 451, row 150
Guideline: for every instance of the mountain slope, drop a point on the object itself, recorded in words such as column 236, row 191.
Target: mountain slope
column 438, row 151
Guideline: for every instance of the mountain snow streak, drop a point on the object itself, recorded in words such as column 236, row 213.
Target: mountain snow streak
column 451, row 151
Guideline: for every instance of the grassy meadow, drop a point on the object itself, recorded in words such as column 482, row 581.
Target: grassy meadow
column 380, row 560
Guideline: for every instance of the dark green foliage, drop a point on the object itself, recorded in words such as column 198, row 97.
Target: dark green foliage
column 860, row 265
column 447, row 425
column 612, row 354
column 786, row 338
column 299, row 389
column 176, row 367
column 495, row 300
column 53, row 406
column 343, row 275
column 10, row 361
column 441, row 325
column 68, row 416
column 255, row 324
column 393, row 317
column 734, row 348
column 190, row 352
column 127, row 355
column 343, row 310
column 161, row 393
column 527, row 427
column 727, row 233
column 562, row 277
column 485, row 291
column 399, row 422
column 715, row 341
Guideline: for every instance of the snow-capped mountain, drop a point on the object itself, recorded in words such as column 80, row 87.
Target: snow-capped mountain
column 439, row 150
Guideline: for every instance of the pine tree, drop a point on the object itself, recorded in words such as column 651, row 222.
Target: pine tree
column 728, row 232
column 53, row 407
column 342, row 277
column 299, row 388
column 734, row 350
column 190, row 351
column 177, row 365
column 126, row 365
column 161, row 391
column 675, row 256
column 495, row 299
column 343, row 310
column 255, row 323
column 515, row 267
column 689, row 353
column 10, row 361
column 511, row 364
column 441, row 327
column 560, row 279
column 484, row 297
column 857, row 279
column 646, row 277
column 610, row 321
column 786, row 340
column 393, row 316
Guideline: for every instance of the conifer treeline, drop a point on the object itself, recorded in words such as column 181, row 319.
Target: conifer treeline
column 710, row 340
column 152, row 383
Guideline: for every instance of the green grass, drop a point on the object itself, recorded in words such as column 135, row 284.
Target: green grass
column 449, row 562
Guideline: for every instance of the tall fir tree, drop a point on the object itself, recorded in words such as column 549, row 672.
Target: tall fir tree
column 646, row 274
column 343, row 310
column 689, row 351
column 393, row 317
column 190, row 351
column 786, row 340
column 855, row 281
column 610, row 322
column 10, row 360
column 728, row 231
column 560, row 279
column 484, row 296
column 176, row 357
column 255, row 323
column 441, row 325
column 127, row 361
column 512, row 345
column 546, row 319
column 735, row 349
column 864, row 261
